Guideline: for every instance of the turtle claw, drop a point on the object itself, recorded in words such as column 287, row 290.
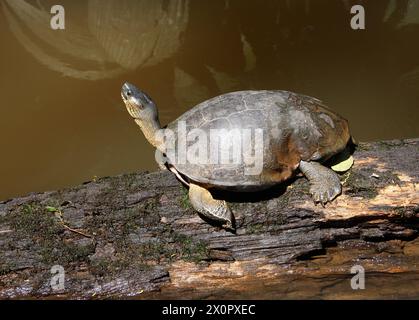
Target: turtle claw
column 324, row 192
column 324, row 183
column 213, row 209
column 229, row 226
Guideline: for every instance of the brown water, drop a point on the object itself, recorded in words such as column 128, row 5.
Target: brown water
column 62, row 121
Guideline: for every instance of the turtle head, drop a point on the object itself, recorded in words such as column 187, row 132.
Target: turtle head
column 143, row 110
column 138, row 103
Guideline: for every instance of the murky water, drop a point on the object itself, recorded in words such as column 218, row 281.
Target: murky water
column 62, row 121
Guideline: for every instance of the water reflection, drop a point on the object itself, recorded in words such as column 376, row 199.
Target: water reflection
column 223, row 45
column 119, row 35
column 69, row 120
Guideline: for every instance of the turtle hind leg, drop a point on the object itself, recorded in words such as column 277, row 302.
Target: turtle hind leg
column 213, row 209
column 324, row 182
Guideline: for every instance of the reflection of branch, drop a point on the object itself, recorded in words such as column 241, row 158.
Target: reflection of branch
column 399, row 13
column 73, row 41
column 51, row 62
column 138, row 33
column 188, row 90
column 128, row 33
column 412, row 13
column 411, row 77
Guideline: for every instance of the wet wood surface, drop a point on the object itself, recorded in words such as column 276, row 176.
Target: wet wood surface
column 136, row 236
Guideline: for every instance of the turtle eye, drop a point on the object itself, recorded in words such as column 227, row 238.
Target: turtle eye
column 126, row 94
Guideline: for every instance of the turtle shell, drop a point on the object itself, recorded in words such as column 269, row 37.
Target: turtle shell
column 274, row 130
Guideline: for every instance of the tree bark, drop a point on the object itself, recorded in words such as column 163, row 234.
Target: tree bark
column 136, row 235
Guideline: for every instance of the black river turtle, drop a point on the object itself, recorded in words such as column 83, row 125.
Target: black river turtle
column 262, row 138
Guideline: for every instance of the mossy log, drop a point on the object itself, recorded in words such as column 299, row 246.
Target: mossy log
column 136, row 235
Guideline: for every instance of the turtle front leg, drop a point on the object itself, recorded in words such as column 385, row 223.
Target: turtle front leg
column 324, row 182
column 217, row 210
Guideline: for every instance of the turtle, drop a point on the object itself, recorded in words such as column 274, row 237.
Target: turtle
column 296, row 134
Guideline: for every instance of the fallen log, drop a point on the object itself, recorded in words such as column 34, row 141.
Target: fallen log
column 135, row 235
